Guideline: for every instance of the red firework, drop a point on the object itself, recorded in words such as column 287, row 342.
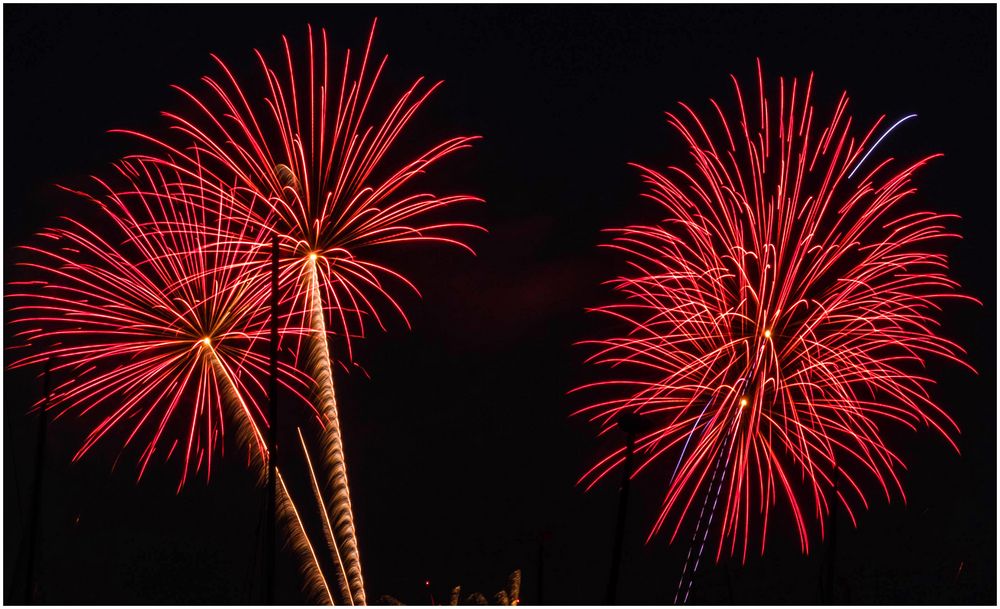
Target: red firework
column 150, row 322
column 309, row 165
column 776, row 319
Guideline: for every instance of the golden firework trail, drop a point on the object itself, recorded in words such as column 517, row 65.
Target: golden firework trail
column 250, row 436
column 318, row 362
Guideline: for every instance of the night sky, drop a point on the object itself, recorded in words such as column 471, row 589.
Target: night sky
column 461, row 452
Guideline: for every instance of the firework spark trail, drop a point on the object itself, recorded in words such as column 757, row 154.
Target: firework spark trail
column 308, row 165
column 289, row 517
column 697, row 529
column 711, row 513
column 287, row 511
column 774, row 281
column 879, row 141
column 345, row 588
column 318, row 361
column 688, row 440
column 719, row 467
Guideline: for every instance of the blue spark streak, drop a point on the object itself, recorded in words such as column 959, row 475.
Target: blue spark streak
column 879, row 141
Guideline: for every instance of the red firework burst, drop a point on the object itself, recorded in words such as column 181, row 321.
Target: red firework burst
column 150, row 322
column 776, row 319
column 310, row 166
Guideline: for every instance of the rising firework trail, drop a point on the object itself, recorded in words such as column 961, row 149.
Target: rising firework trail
column 159, row 331
column 312, row 166
column 775, row 322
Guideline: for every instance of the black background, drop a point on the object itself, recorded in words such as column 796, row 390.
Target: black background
column 460, row 446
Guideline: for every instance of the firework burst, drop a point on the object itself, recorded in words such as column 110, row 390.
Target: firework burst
column 776, row 321
column 160, row 331
column 144, row 320
column 312, row 166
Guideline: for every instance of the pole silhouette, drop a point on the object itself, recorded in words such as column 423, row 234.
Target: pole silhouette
column 541, row 566
column 828, row 586
column 631, row 424
column 270, row 550
column 36, row 501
